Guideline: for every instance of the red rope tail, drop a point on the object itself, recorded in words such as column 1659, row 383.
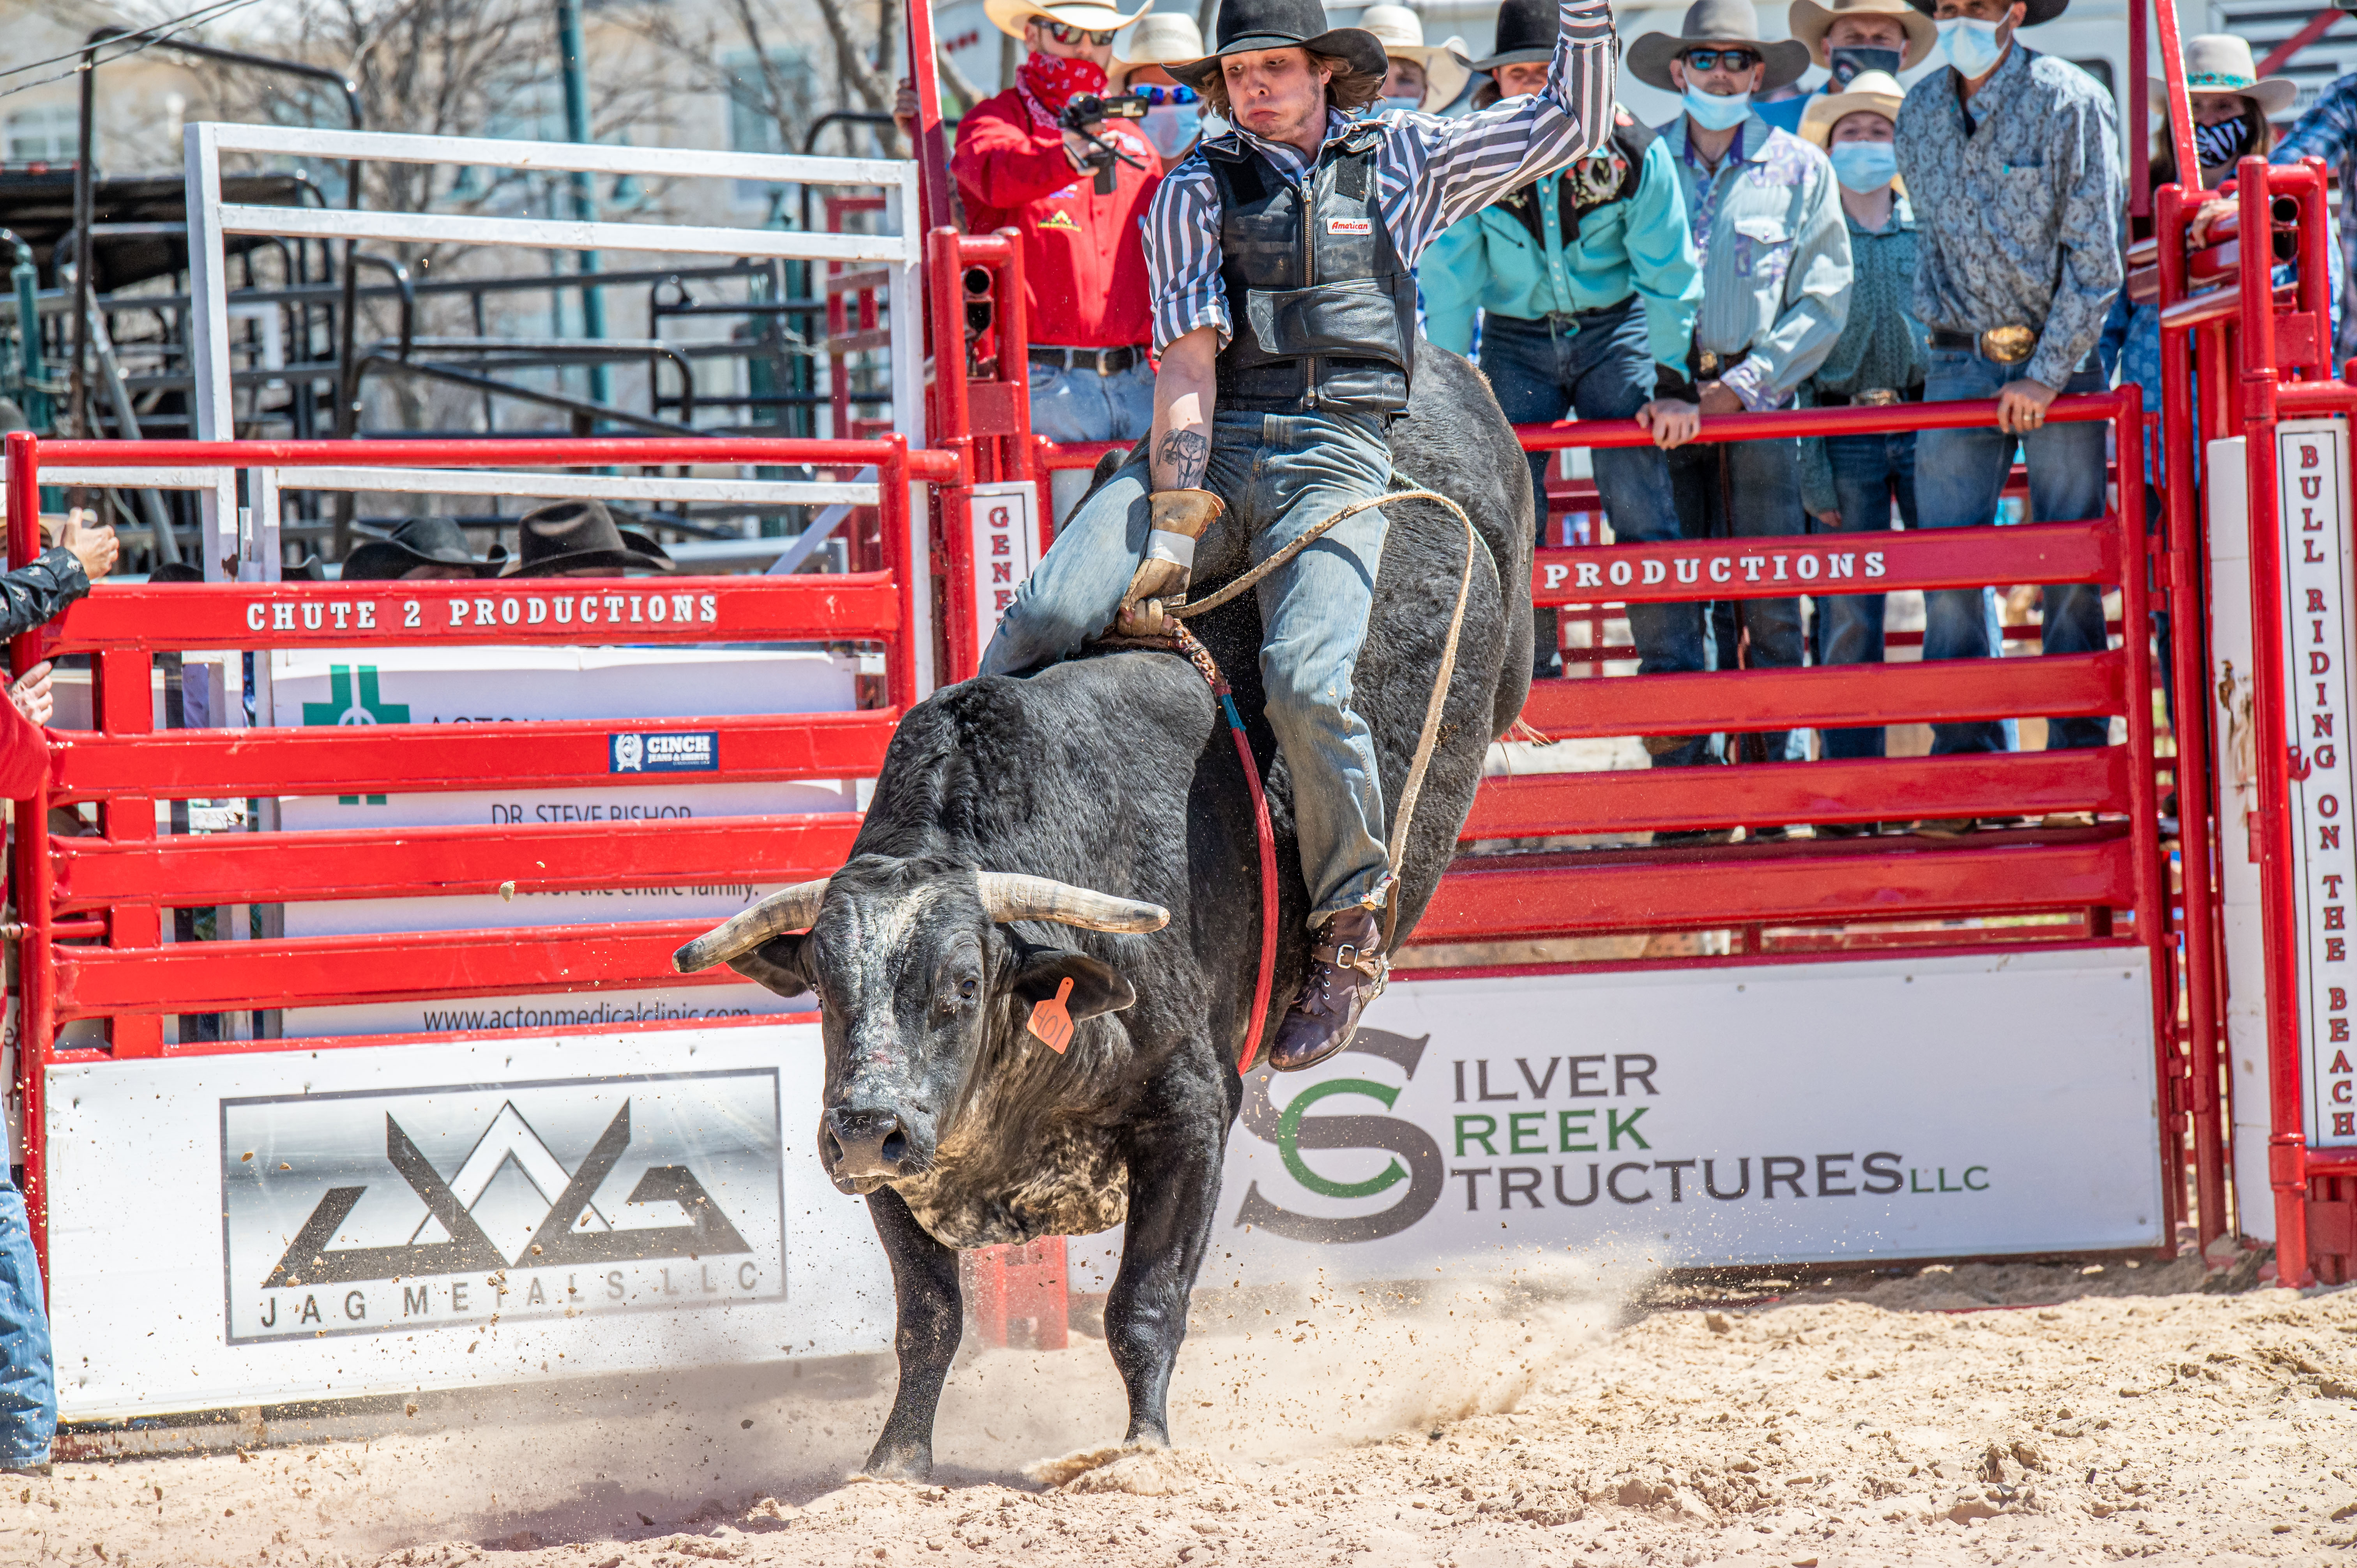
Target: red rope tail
column 1268, row 836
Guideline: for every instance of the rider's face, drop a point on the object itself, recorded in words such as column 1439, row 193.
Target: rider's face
column 1275, row 93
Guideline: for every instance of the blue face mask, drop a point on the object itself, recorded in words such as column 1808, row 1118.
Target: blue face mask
column 1713, row 113
column 1170, row 127
column 1865, row 165
column 1971, row 47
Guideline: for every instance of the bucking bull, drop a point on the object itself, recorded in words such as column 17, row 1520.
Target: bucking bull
column 1090, row 822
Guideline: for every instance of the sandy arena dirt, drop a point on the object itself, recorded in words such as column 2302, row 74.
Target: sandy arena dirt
column 2021, row 1413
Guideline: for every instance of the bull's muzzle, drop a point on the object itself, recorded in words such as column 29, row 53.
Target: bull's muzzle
column 864, row 1149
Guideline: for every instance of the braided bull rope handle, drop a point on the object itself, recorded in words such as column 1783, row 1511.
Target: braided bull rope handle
column 1428, row 739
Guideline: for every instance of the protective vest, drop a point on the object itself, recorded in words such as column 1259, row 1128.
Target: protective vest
column 1322, row 311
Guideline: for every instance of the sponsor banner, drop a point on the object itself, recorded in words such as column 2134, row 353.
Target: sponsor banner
column 1900, row 1107
column 1006, row 547
column 380, row 1220
column 2313, row 477
column 560, row 1010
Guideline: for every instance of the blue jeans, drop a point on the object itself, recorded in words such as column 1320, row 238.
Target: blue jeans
column 28, row 1393
column 1070, row 404
column 1596, row 365
column 1280, row 475
column 1869, row 473
column 1741, row 490
column 1960, row 474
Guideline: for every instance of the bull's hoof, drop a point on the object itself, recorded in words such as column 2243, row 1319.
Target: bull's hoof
column 895, row 1462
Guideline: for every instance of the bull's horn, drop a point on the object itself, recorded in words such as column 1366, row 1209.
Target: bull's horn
column 788, row 909
column 1010, row 897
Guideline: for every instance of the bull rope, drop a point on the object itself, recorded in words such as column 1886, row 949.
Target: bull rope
column 1426, row 741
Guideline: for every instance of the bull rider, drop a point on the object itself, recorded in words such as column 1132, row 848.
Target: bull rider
column 1281, row 413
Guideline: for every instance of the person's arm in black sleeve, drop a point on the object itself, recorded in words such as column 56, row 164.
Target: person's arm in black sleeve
column 32, row 596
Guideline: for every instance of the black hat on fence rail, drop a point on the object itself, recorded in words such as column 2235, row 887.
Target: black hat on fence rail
column 581, row 536
column 420, row 542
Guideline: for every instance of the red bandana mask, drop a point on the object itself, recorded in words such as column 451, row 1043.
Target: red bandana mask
column 1048, row 82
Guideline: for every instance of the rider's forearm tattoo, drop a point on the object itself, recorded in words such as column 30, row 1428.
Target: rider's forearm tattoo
column 1186, row 453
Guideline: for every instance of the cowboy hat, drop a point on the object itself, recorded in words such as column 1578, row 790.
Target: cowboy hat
column 1525, row 36
column 1165, row 38
column 1089, row 16
column 1248, row 24
column 1809, row 22
column 574, row 536
column 2033, row 11
column 1872, row 91
column 2221, row 63
column 1712, row 22
column 420, row 542
column 1400, row 32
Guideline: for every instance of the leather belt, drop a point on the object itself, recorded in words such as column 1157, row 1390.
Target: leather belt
column 1998, row 345
column 1104, row 361
column 1872, row 397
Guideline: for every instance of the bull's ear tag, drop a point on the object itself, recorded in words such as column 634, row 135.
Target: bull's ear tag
column 1051, row 1021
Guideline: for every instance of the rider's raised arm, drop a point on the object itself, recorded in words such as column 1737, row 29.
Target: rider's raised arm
column 1471, row 161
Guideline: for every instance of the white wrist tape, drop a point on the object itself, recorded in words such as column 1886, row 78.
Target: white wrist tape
column 1176, row 548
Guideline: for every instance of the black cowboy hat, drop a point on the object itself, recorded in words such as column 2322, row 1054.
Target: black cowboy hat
column 420, row 542
column 1248, row 24
column 2033, row 11
column 1527, row 30
column 175, row 571
column 568, row 536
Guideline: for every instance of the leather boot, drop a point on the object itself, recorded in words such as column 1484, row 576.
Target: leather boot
column 1347, row 971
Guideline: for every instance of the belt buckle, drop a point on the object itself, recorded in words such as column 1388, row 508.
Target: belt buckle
column 1706, row 365
column 2008, row 345
column 1875, row 397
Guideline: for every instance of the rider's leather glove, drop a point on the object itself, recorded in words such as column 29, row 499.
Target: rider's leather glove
column 1181, row 518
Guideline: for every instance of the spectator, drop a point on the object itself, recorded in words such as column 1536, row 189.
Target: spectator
column 77, row 556
column 1848, row 37
column 1775, row 252
column 1175, row 122
column 1849, row 482
column 2012, row 160
column 1079, row 209
column 1422, row 77
column 2328, row 131
column 1586, row 286
column 424, row 549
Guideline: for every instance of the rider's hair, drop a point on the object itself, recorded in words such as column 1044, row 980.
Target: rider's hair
column 1351, row 89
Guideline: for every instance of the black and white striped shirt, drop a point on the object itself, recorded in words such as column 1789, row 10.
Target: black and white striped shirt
column 1429, row 172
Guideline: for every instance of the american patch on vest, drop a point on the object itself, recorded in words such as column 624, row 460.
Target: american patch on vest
column 1350, row 225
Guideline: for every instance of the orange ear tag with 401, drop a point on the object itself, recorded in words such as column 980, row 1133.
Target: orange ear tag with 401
column 1051, row 1021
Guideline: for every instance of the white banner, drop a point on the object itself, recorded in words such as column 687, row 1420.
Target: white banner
column 252, row 1227
column 1897, row 1108
column 2319, row 650
column 1005, row 529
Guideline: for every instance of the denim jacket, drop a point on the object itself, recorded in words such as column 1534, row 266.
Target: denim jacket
column 1639, row 245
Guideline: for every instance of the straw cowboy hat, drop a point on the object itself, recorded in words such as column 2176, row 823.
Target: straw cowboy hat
column 1246, row 25
column 2221, row 63
column 1808, row 22
column 1875, row 91
column 1716, row 22
column 2033, row 11
column 573, row 536
column 1089, row 16
column 1166, row 38
column 1400, row 32
column 420, row 542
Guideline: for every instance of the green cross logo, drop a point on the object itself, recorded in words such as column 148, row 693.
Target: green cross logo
column 340, row 709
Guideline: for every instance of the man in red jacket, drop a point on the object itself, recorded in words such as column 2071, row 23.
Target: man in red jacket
column 1079, row 211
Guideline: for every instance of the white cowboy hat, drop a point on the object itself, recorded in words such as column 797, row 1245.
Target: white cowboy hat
column 1089, row 16
column 1400, row 32
column 1809, row 23
column 1165, row 38
column 1873, row 92
column 2221, row 63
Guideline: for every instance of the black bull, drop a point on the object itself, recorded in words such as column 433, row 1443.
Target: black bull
column 1115, row 775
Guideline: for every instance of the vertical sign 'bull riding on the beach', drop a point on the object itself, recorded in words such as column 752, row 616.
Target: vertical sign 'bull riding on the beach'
column 2318, row 652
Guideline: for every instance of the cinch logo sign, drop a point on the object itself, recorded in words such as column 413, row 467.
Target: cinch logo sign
column 693, row 751
column 383, row 1212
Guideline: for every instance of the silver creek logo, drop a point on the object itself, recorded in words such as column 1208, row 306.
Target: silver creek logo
column 381, row 1211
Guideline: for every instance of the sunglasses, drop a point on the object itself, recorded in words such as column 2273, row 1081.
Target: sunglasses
column 1159, row 95
column 1736, row 60
column 1069, row 35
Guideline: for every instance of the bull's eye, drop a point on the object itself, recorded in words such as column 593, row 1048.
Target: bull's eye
column 967, row 989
